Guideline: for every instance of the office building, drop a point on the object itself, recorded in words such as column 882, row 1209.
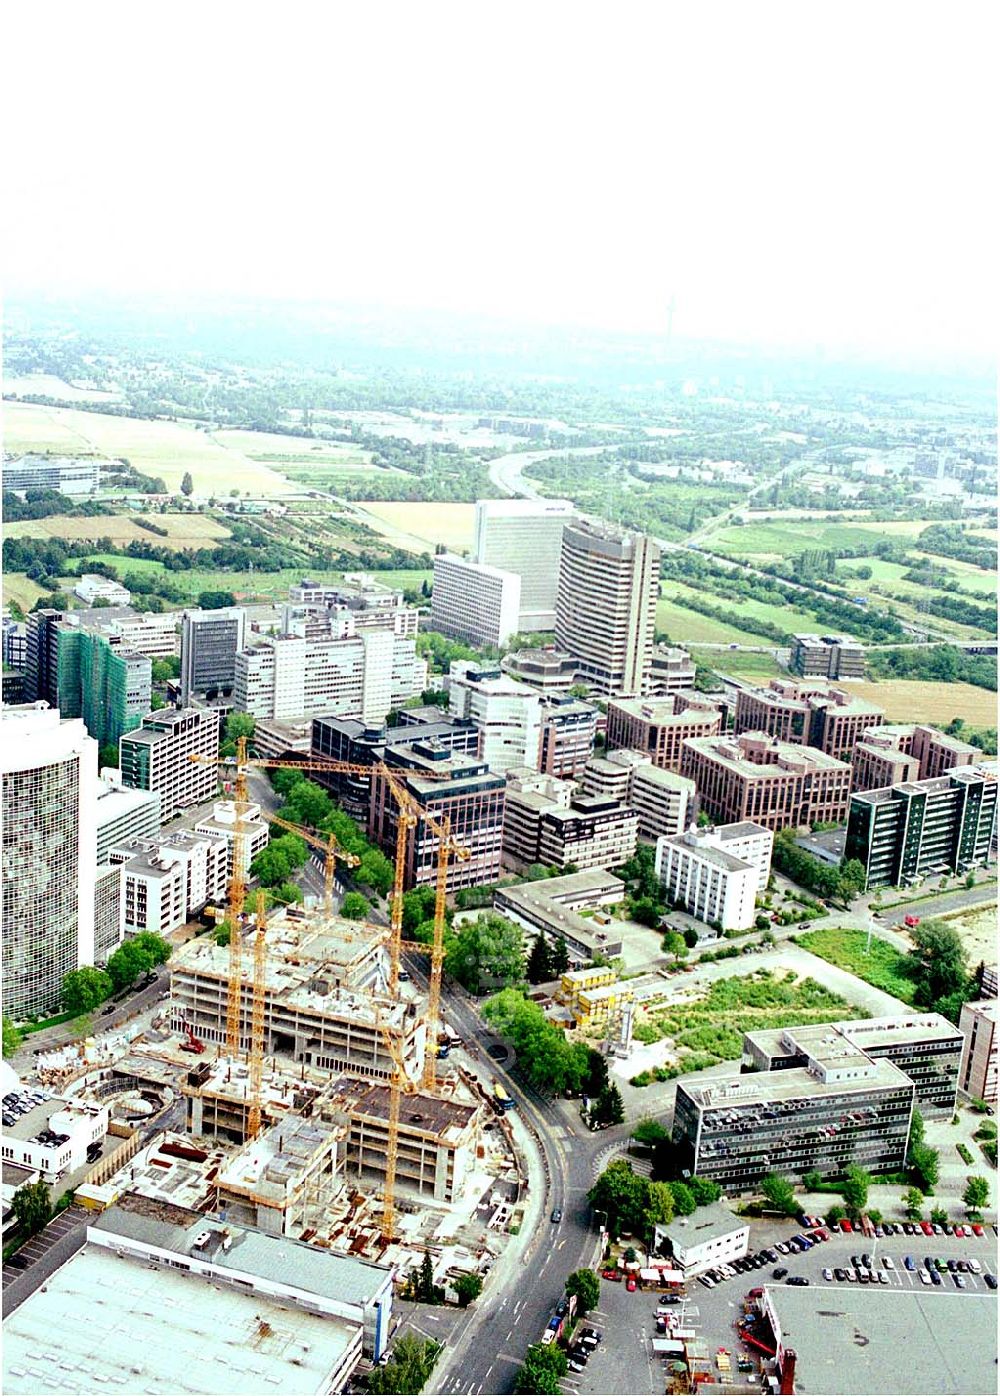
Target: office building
column 663, row 800
column 15, row 644
column 609, row 584
column 49, row 773
column 709, row 1237
column 546, row 822
column 445, row 784
column 157, row 757
column 828, row 719
column 977, row 1073
column 524, row 536
column 700, row 875
column 672, row 671
column 901, row 752
column 42, row 662
column 87, row 672
column 151, row 633
column 923, row 827
column 473, row 602
column 108, row 929
column 123, row 813
column 661, row 726
column 553, row 905
column 91, row 588
column 569, row 727
column 67, row 474
column 348, row 740
column 167, row 881
column 925, row 1046
column 312, row 673
column 163, row 1296
column 505, row 713
column 754, row 778
column 551, row 671
column 841, row 1108
column 827, row 657
column 210, row 642
column 219, row 822
column 362, row 599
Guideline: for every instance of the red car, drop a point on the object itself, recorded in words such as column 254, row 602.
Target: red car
column 631, row 1286
column 845, row 1225
column 977, row 1230
column 926, row 1228
column 962, row 1231
column 611, row 1274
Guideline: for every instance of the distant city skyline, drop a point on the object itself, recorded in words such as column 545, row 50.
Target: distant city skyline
column 765, row 175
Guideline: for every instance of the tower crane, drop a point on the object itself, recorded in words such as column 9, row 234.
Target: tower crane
column 399, row 1082
column 257, row 1019
column 329, row 846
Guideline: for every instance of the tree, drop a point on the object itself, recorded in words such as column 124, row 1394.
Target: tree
column 374, row 872
column 270, row 866
column 812, row 1181
column 552, row 1064
column 596, row 1077
column 778, row 1191
column 308, row 804
column 684, row 1201
column 649, row 1131
column 560, row 957
column 939, row 1216
column 127, row 964
column 545, row 1364
column 32, row 1207
column 976, row 1195
column 409, row 1368
column 158, row 949
column 704, row 1190
column 913, row 1202
column 587, row 1288
column 12, row 1037
column 240, row 725
column 285, row 894
column 622, row 1196
column 215, row 600
column 852, row 878
column 690, row 937
column 854, row 1189
column 187, row 484
column 674, row 944
column 354, row 907
column 539, row 968
column 937, row 964
column 83, row 989
column 924, row 1167
column 608, row 1108
column 487, row 954
column 468, row 1287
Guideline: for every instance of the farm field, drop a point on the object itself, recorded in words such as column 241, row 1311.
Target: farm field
column 890, row 576
column 421, row 526
column 19, row 587
column 274, row 446
column 776, row 539
column 688, row 627
column 47, row 385
column 165, row 449
column 787, row 618
column 740, row 664
column 183, row 530
column 917, row 700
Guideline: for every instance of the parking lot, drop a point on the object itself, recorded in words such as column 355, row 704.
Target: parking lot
column 37, row 1258
column 624, row 1362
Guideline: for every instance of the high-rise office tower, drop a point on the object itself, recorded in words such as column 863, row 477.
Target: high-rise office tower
column 210, row 642
column 48, row 768
column 157, row 757
column 524, row 536
column 87, row 672
column 606, row 606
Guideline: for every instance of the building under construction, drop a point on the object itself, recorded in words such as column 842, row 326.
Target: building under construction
column 326, row 1001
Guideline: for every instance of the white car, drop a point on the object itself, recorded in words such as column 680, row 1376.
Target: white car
column 887, row 1262
column 975, row 1267
column 882, row 1277
column 782, row 1247
column 827, row 1274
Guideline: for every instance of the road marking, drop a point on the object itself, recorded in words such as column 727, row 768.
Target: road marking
column 509, row 1336
column 489, row 1369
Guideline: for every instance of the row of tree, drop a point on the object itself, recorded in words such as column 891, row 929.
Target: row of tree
column 834, row 883
column 545, row 1364
column 84, row 989
column 634, row 1204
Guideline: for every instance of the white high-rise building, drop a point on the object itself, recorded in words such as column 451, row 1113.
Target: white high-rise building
column 524, row 536
column 49, row 772
column 475, row 602
column 715, row 874
column 315, row 675
column 506, row 713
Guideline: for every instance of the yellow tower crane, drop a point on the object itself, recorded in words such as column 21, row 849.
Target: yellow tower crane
column 257, row 1018
column 399, row 1081
column 328, row 846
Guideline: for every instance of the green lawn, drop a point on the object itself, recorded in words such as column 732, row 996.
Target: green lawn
column 775, row 538
column 740, row 664
column 882, row 966
column 265, row 584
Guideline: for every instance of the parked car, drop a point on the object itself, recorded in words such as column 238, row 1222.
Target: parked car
column 827, row 1273
column 845, row 1225
column 977, row 1230
column 556, row 1214
column 797, row 1280
column 991, row 1280
column 975, row 1267
column 925, row 1278
column 909, row 1262
column 959, row 1281
column 18, row 1262
column 630, row 1284
column 780, row 1273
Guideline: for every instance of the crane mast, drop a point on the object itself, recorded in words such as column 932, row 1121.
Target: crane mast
column 257, row 1020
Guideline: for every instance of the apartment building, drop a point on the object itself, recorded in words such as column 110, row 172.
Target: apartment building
column 663, row 800
column 67, row 474
column 505, row 713
column 661, row 726
column 168, row 880
column 546, row 822
column 757, row 779
column 108, row 931
column 569, row 727
column 445, row 784
column 925, row 1046
column 473, row 602
column 826, row 718
column 919, row 828
column 524, row 536
column 219, row 822
column 210, row 642
column 672, row 671
column 367, row 603
column 313, row 673
column 827, row 657
column 348, row 740
column 157, row 757
column 48, row 770
column 699, row 874
column 977, row 1074
column 609, row 585
column 841, row 1108
column 551, row 671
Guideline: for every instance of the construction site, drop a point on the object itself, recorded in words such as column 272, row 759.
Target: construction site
column 319, row 1100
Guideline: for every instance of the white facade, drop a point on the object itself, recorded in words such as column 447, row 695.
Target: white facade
column 362, row 599
column 507, row 714
column 473, row 602
column 49, row 773
column 164, row 883
column 709, row 1237
column 293, row 676
column 524, row 536
column 710, row 884
column 751, row 842
column 82, row 1122
column 123, row 813
column 90, row 588
column 221, row 824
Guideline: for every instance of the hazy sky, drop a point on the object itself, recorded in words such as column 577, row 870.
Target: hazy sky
column 820, row 174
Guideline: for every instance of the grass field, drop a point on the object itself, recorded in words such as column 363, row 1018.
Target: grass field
column 688, row 627
column 20, row 588
column 47, row 385
column 740, row 664
column 273, row 446
column 166, row 449
column 889, row 575
column 913, row 700
column 183, row 530
column 882, row 966
column 978, row 928
column 264, row 585
column 776, row 539
column 421, row 526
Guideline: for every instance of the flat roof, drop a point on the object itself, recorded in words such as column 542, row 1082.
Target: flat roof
column 107, row 1322
column 888, row 1342
column 754, row 1088
column 446, row 1119
column 592, row 881
column 704, row 1224
column 785, row 756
